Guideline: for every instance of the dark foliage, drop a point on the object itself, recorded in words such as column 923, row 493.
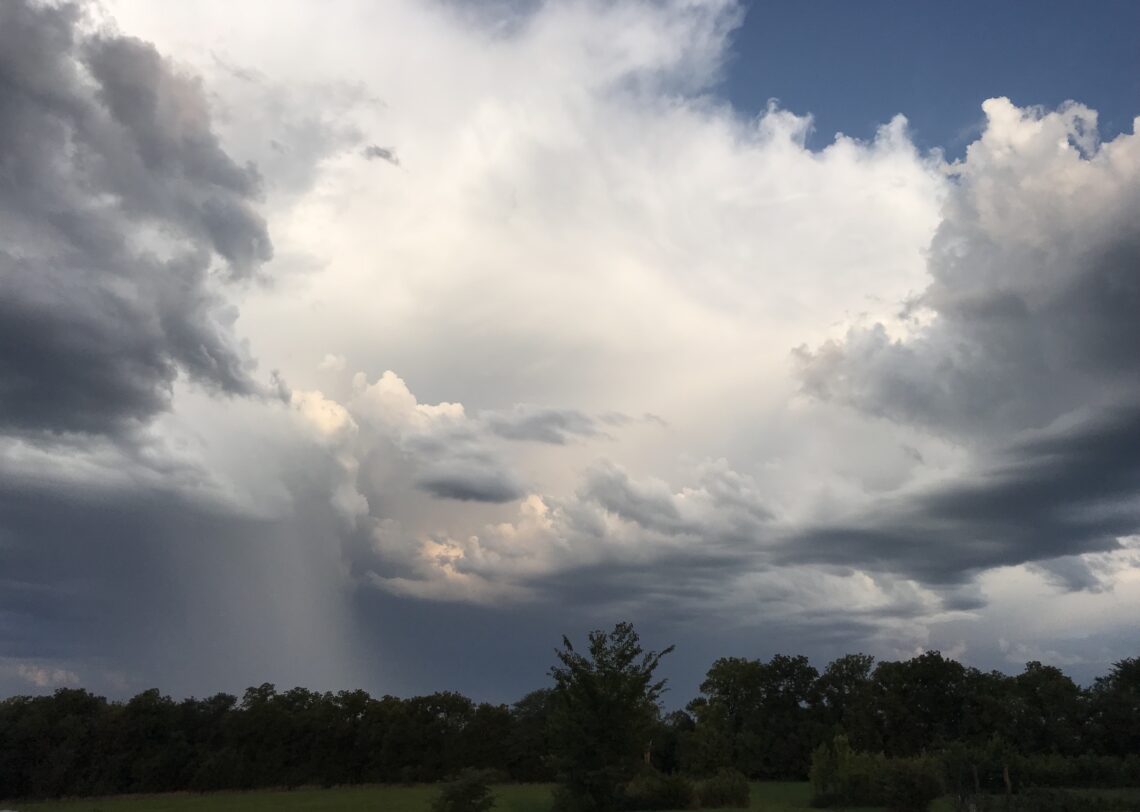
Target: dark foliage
column 1056, row 800
column 844, row 777
column 604, row 713
column 910, row 784
column 651, row 790
column 994, row 735
column 726, row 789
column 75, row 744
column 470, row 791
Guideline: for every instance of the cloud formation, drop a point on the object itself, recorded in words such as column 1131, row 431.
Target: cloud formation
column 1020, row 351
column 887, row 400
column 117, row 199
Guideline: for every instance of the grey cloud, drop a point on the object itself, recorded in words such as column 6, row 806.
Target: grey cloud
column 103, row 582
column 1029, row 363
column 1067, row 491
column 455, row 462
column 541, row 425
column 374, row 151
column 1073, row 574
column 725, row 509
column 116, row 196
column 649, row 504
column 1033, row 295
column 468, row 480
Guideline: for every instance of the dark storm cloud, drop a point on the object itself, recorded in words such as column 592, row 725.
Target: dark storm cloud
column 725, row 511
column 1034, row 298
column 1030, row 362
column 129, row 584
column 1064, row 492
column 116, row 197
column 453, row 460
column 1073, row 574
column 468, row 480
column 648, row 504
column 541, row 425
column 374, row 151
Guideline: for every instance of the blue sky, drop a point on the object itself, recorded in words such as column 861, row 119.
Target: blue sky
column 853, row 65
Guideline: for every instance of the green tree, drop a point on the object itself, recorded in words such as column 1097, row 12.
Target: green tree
column 1116, row 708
column 921, row 703
column 1048, row 711
column 528, row 751
column 604, row 710
column 761, row 713
column 843, row 693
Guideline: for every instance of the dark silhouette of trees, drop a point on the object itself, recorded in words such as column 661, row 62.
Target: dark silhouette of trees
column 528, row 754
column 593, row 728
column 762, row 717
column 1115, row 709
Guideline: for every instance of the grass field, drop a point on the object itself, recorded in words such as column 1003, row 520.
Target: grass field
column 766, row 797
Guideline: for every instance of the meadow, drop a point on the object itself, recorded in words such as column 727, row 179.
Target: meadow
column 769, row 796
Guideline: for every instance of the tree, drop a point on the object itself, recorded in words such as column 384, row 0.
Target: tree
column 527, row 758
column 1048, row 711
column 1116, row 708
column 605, row 707
column 762, row 713
column 920, row 701
column 843, row 691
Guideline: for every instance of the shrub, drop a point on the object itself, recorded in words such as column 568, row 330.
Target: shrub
column 469, row 792
column 728, row 788
column 654, row 790
column 1057, row 800
column 909, row 785
column 841, row 776
column 566, row 800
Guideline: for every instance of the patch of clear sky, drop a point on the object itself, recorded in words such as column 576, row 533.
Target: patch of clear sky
column 854, row 64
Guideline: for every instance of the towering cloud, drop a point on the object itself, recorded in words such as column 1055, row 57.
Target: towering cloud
column 1022, row 350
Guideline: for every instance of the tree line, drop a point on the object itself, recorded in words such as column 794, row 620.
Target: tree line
column 762, row 719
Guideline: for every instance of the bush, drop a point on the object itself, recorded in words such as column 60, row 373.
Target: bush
column 654, row 790
column 909, row 785
column 1057, row 800
column 566, row 800
column 728, row 788
column 469, row 792
column 841, row 776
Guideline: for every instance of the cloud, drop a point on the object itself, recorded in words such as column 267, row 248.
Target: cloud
column 372, row 151
column 1027, row 316
column 118, row 198
column 541, row 425
column 1020, row 356
column 582, row 232
column 38, row 675
column 468, row 480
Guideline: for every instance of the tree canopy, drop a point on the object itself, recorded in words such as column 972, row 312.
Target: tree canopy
column 605, row 712
column 592, row 727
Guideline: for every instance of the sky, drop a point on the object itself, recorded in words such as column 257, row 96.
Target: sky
column 379, row 345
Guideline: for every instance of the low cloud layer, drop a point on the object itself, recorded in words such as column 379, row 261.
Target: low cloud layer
column 602, row 347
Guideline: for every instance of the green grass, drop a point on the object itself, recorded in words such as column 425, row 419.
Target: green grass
column 768, row 796
column 509, row 798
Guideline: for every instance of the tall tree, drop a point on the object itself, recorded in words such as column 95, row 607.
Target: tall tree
column 605, row 707
column 761, row 712
column 1116, row 708
column 843, row 691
